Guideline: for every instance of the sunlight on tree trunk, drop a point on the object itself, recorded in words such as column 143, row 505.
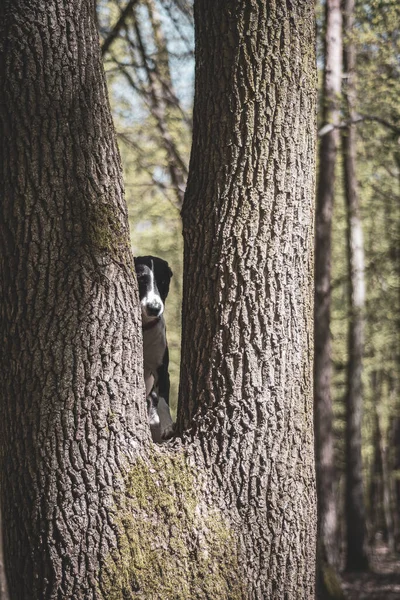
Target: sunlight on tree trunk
column 246, row 376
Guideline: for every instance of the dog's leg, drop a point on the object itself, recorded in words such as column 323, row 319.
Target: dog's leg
column 149, row 381
column 166, row 422
column 154, row 419
column 163, row 377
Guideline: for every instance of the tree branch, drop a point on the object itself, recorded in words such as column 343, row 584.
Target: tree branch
column 359, row 119
column 117, row 27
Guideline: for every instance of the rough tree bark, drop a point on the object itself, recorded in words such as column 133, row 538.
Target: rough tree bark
column 246, row 372
column 71, row 389
column 94, row 511
column 328, row 585
column 3, row 582
column 356, row 557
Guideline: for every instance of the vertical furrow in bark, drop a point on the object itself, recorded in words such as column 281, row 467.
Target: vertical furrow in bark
column 247, row 217
column 71, row 386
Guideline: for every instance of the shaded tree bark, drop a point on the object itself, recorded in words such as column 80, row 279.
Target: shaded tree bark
column 246, row 373
column 71, row 389
column 356, row 558
column 328, row 585
column 92, row 509
column 3, row 580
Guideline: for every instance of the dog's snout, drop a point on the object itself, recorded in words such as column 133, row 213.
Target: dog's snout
column 154, row 309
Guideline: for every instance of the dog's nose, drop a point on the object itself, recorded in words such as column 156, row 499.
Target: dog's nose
column 154, row 309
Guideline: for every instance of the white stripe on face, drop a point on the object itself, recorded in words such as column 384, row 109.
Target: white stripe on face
column 152, row 296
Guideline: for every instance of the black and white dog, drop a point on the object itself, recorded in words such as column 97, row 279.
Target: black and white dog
column 154, row 275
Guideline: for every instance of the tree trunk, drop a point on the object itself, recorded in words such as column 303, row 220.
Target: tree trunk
column 246, row 374
column 395, row 476
column 92, row 510
column 327, row 582
column 381, row 518
column 71, row 389
column 356, row 559
column 3, row 580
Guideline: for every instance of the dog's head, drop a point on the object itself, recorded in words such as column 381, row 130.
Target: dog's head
column 153, row 276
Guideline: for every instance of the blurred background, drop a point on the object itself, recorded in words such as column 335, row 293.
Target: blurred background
column 148, row 51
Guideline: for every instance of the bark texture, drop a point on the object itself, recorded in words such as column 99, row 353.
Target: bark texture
column 3, row 580
column 246, row 374
column 71, row 388
column 323, row 415
column 91, row 510
column 356, row 558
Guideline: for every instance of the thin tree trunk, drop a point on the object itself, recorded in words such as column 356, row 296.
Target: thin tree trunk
column 71, row 384
column 375, row 492
column 323, row 415
column 395, row 476
column 246, row 374
column 356, row 558
column 386, row 493
column 379, row 518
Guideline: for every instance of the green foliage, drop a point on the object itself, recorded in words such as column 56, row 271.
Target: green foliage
column 378, row 173
column 152, row 118
column 155, row 225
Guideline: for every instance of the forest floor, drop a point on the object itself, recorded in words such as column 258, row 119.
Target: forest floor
column 381, row 583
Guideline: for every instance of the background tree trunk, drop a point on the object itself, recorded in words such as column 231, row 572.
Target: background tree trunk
column 246, row 376
column 71, row 389
column 356, row 558
column 395, row 475
column 327, row 583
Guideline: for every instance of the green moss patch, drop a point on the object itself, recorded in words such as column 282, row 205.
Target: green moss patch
column 106, row 232
column 169, row 545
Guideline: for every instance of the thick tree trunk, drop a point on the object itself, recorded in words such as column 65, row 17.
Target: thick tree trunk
column 71, row 389
column 356, row 558
column 92, row 510
column 327, row 581
column 3, row 580
column 246, row 375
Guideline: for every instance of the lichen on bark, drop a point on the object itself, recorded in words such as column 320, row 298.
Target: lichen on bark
column 169, row 539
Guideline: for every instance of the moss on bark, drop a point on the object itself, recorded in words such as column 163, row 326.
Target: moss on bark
column 169, row 543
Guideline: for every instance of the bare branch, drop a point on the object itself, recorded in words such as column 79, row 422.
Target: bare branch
column 359, row 119
column 117, row 27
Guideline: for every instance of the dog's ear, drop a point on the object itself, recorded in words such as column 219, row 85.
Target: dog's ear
column 163, row 277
